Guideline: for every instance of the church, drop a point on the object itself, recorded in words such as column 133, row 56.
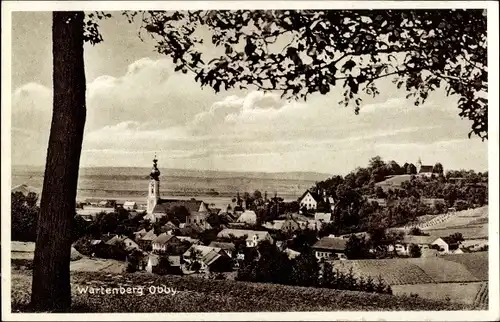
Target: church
column 196, row 210
column 424, row 170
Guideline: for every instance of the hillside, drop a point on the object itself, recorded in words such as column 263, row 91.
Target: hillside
column 458, row 278
column 200, row 295
column 393, row 182
column 471, row 223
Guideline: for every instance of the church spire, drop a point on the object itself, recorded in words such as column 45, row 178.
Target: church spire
column 155, row 173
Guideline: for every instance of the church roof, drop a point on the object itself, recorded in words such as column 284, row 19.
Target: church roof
column 165, row 205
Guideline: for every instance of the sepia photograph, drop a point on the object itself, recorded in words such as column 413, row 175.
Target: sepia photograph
column 249, row 161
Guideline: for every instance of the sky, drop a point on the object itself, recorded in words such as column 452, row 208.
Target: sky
column 138, row 106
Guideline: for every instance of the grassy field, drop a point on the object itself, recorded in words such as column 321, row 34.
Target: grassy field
column 199, row 295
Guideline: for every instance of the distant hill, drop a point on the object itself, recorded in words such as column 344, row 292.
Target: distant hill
column 144, row 171
column 131, row 183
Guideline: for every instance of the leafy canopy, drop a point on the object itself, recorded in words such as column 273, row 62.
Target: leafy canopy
column 300, row 52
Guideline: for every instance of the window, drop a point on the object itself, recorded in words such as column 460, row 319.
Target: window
column 194, row 220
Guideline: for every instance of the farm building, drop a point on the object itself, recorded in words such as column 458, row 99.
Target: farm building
column 330, row 247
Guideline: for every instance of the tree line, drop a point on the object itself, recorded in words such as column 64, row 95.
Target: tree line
column 355, row 212
column 270, row 265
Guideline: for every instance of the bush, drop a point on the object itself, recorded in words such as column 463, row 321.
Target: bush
column 414, row 251
column 415, row 231
column 24, row 213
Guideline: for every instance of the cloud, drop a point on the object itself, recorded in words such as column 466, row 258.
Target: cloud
column 150, row 109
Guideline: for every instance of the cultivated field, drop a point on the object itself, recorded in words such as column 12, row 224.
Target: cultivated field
column 423, row 276
column 470, row 267
column 471, row 217
column 467, row 293
column 199, row 295
column 472, row 224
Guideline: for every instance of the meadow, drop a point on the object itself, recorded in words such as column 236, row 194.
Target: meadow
column 202, row 295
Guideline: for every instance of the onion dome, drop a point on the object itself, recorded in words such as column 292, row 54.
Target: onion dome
column 155, row 173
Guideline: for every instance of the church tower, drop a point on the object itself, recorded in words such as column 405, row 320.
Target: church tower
column 154, row 187
column 419, row 165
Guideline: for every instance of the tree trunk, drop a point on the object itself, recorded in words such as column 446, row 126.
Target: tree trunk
column 51, row 289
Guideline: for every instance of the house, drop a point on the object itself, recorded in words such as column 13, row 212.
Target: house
column 253, row 237
column 128, row 243
column 146, row 241
column 212, row 258
column 292, row 225
column 330, row 247
column 424, row 170
column 248, row 217
column 309, row 200
column 130, row 205
column 227, row 247
column 325, row 217
column 165, row 243
column 199, row 219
